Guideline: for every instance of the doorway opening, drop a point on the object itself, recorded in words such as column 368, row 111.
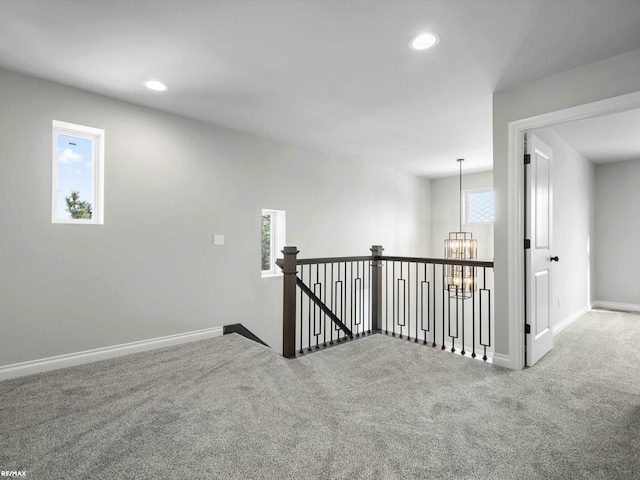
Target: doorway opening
column 516, row 199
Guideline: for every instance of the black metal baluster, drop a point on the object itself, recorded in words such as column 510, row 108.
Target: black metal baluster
column 417, row 300
column 361, row 291
column 324, row 289
column 369, row 300
column 443, row 300
column 462, row 299
column 343, row 298
column 407, row 307
column 301, row 317
column 484, row 283
column 302, row 298
column 339, row 288
column 310, row 304
column 473, row 315
column 393, row 296
column 433, row 305
column 333, row 304
column 352, row 303
column 317, row 291
column 401, row 279
column 363, row 296
column 364, row 308
column 349, row 299
column 453, row 343
column 339, row 284
column 422, row 309
column 386, row 301
column 357, row 306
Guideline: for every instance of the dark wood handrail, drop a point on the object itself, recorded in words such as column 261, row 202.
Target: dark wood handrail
column 439, row 261
column 314, row 261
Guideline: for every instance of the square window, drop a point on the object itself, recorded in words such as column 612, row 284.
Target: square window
column 479, row 206
column 78, row 171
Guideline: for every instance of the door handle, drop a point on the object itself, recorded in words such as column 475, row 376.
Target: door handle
column 555, row 259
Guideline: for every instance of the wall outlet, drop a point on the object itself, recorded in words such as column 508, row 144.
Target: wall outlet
column 218, row 239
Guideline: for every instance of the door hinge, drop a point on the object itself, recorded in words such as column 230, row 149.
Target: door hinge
column 527, row 158
column 527, row 243
column 527, row 328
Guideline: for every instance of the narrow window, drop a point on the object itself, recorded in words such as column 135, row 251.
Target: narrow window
column 272, row 240
column 479, row 206
column 78, row 171
column 267, row 245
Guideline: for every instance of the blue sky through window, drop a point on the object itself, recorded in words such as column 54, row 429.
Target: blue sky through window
column 75, row 170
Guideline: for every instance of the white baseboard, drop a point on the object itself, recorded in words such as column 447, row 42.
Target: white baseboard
column 625, row 307
column 502, row 360
column 569, row 320
column 79, row 358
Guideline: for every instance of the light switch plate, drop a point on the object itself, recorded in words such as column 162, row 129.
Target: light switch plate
column 218, row 239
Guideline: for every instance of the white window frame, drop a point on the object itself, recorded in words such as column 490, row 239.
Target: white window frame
column 97, row 135
column 278, row 240
column 466, row 205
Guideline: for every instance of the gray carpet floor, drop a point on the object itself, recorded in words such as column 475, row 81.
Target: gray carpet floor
column 375, row 408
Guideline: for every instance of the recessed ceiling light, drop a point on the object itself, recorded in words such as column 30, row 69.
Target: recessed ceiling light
column 424, row 41
column 155, row 85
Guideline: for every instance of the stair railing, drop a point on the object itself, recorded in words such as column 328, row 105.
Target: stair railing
column 327, row 301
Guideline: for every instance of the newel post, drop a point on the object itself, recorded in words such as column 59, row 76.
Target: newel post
column 290, row 273
column 376, row 286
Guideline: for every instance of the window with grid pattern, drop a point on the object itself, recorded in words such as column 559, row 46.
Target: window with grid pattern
column 479, row 206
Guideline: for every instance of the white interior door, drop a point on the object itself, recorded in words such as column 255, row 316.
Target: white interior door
column 539, row 197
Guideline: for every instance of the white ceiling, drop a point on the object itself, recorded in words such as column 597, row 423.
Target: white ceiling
column 332, row 75
column 605, row 139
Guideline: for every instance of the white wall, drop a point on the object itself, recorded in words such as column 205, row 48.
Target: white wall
column 597, row 81
column 617, row 261
column 171, row 183
column 572, row 180
column 445, row 213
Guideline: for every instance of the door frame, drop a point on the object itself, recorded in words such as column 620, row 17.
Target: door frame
column 516, row 204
